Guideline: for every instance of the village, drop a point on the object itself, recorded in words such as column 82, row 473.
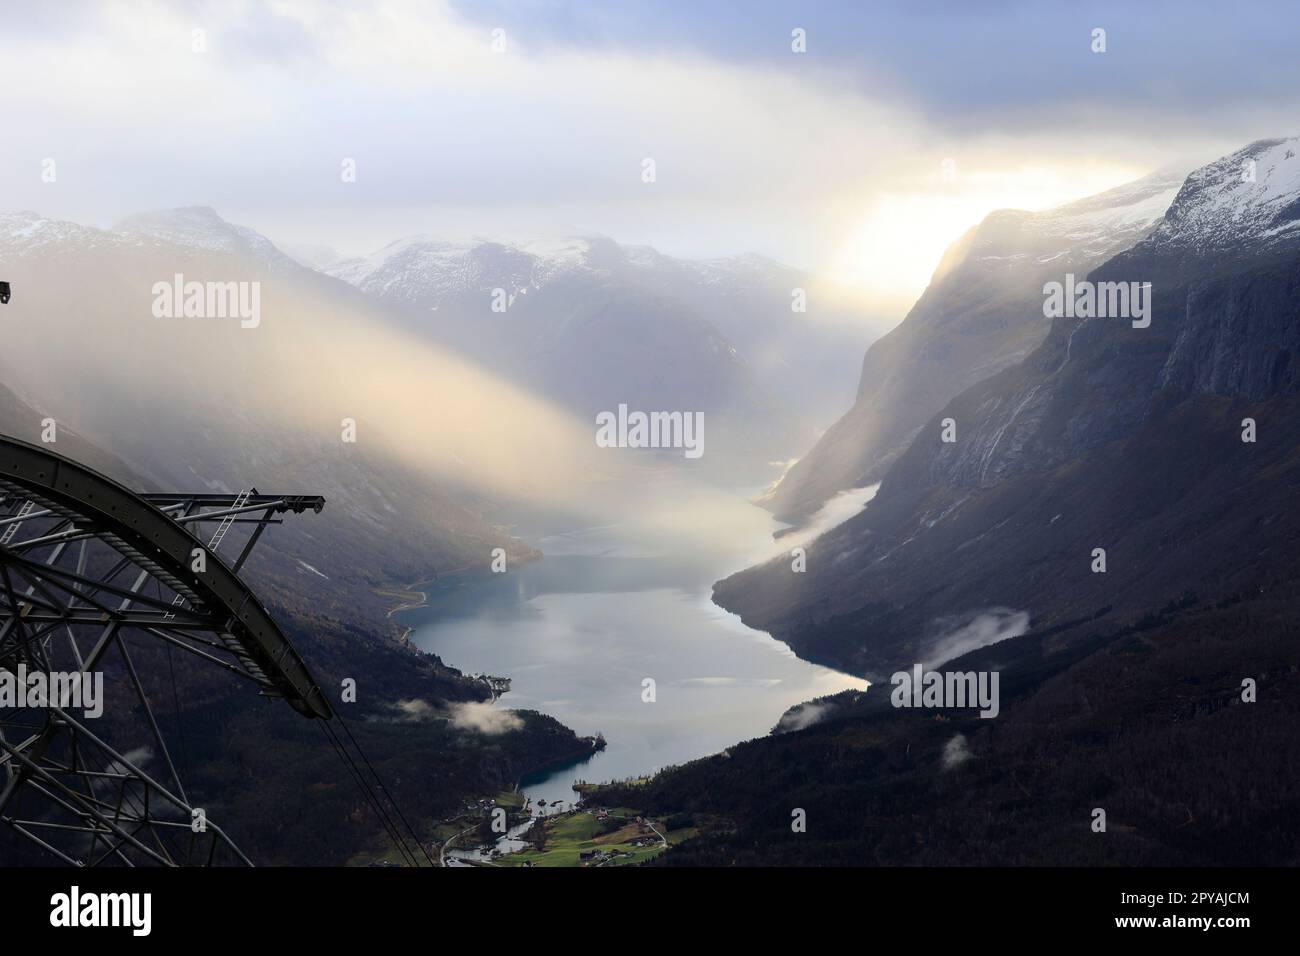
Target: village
column 580, row 836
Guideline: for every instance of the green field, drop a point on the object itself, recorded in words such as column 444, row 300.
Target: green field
column 512, row 800
column 569, row 835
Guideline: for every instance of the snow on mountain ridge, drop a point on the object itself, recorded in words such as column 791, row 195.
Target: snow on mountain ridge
column 195, row 227
column 1250, row 196
column 423, row 267
column 201, row 227
column 25, row 231
column 1083, row 228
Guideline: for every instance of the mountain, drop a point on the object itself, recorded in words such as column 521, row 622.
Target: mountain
column 980, row 314
column 188, row 405
column 18, row 418
column 1129, row 687
column 1238, row 205
column 591, row 324
column 1106, row 436
column 202, row 403
column 1146, row 723
column 313, row 256
column 199, row 227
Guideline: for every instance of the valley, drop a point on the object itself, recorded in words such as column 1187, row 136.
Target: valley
column 678, row 637
column 580, row 630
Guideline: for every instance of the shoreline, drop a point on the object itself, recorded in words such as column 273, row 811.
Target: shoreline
column 441, row 593
column 413, row 597
column 587, row 745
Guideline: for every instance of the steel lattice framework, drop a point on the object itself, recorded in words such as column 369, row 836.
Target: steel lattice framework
column 93, row 578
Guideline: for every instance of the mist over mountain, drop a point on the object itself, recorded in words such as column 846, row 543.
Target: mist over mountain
column 553, row 435
column 449, row 434
column 591, row 324
column 200, row 228
column 165, row 398
column 1129, row 489
column 1105, row 436
column 203, row 404
column 185, row 404
column 980, row 314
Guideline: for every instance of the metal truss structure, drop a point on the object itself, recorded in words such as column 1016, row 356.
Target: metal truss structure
column 97, row 582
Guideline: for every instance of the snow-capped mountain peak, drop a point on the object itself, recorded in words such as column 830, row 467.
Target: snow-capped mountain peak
column 425, row 269
column 200, row 227
column 1085, row 230
column 1250, row 196
column 23, row 233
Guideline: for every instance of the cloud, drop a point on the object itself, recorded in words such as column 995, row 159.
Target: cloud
column 133, row 800
column 801, row 716
column 956, row 752
column 477, row 716
column 827, row 160
column 751, row 154
column 484, row 718
column 138, row 757
column 934, row 56
column 982, row 629
column 413, row 710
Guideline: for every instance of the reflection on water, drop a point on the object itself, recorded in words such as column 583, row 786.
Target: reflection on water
column 509, row 842
column 579, row 631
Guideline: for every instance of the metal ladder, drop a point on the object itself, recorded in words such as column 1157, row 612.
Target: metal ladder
column 217, row 537
column 27, row 508
column 228, row 520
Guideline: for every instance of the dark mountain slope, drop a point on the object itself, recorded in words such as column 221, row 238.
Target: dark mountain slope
column 200, row 404
column 1108, row 436
column 1126, row 695
column 980, row 314
column 1146, row 723
column 239, row 753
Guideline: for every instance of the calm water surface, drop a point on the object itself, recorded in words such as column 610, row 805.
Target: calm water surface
column 579, row 630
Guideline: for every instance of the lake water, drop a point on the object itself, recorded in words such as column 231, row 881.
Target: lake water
column 608, row 607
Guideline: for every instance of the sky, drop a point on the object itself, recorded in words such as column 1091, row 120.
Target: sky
column 898, row 127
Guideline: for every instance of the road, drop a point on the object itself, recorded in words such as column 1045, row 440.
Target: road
column 442, row 854
column 656, row 832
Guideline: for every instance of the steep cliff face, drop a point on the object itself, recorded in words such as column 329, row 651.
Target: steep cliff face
column 1239, row 337
column 980, row 315
column 1108, row 436
column 1240, row 205
column 1221, row 324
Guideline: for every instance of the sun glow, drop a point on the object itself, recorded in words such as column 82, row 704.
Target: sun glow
column 891, row 253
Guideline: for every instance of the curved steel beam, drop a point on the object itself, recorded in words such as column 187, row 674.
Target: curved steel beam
column 152, row 538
